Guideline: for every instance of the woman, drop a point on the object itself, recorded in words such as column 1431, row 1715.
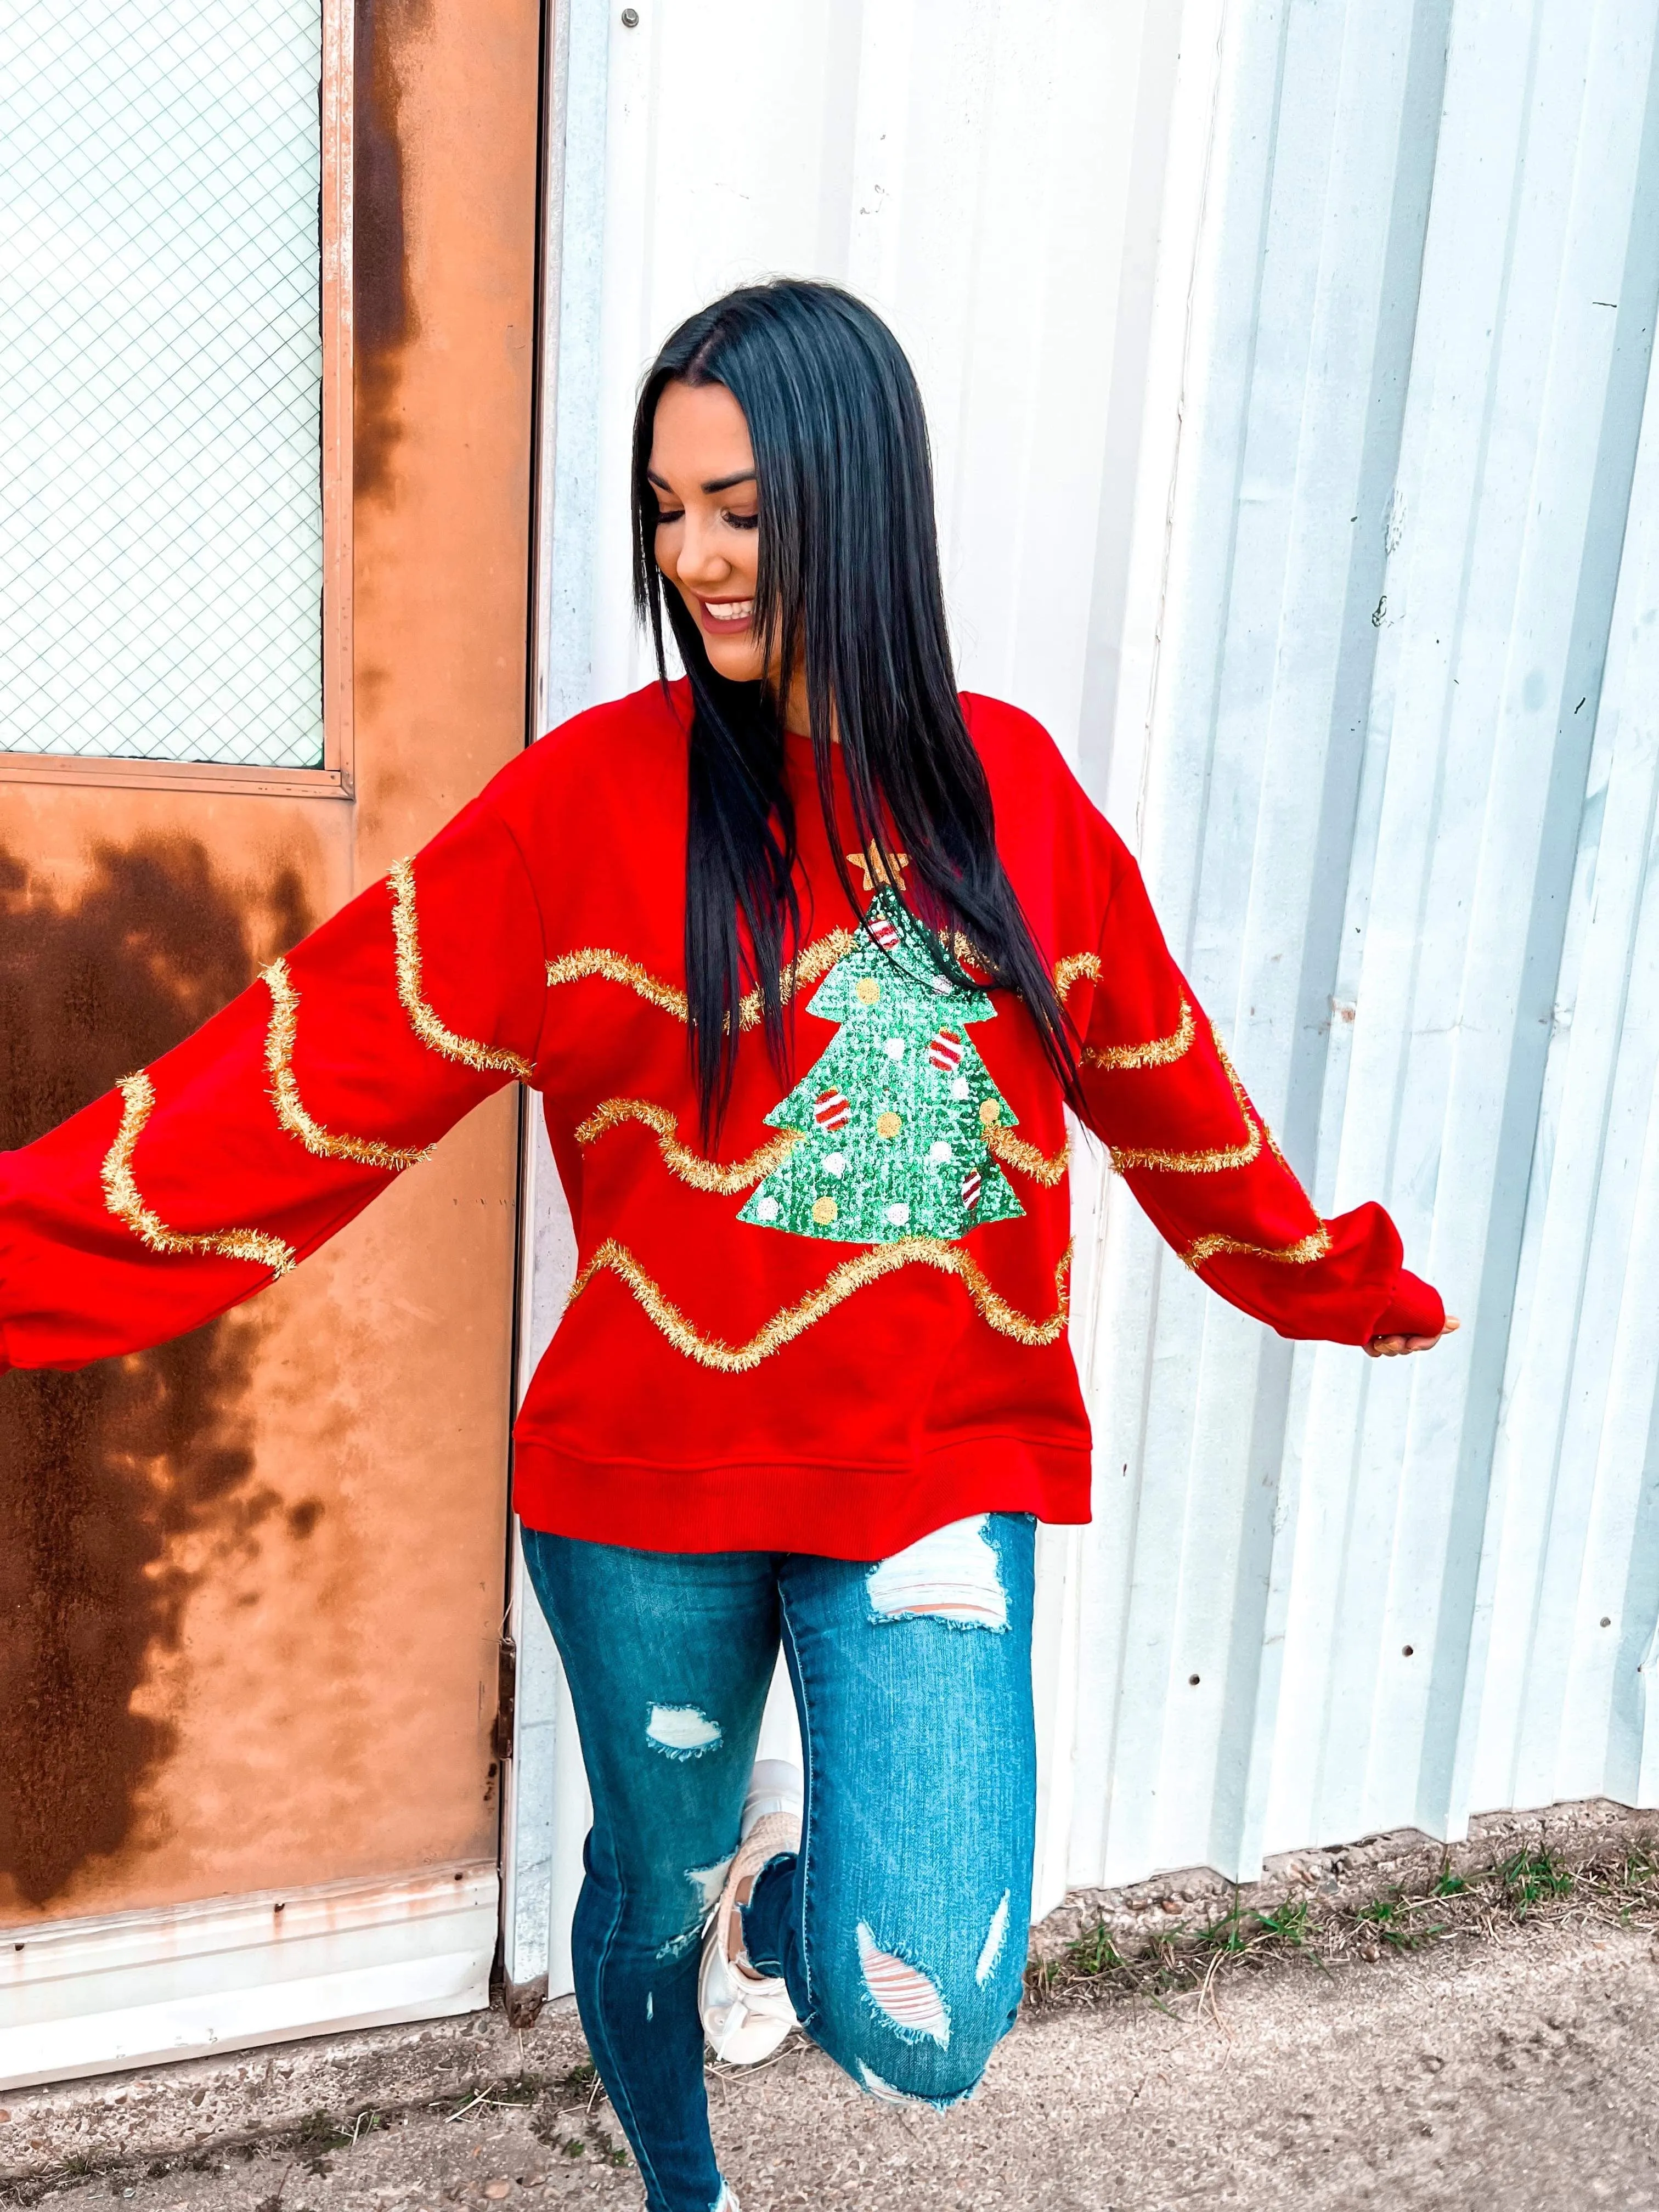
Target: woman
column 806, row 956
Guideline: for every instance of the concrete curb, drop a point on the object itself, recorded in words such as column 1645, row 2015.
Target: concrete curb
column 172, row 2112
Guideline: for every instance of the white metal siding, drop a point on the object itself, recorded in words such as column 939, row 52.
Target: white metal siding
column 1287, row 367
column 1427, row 296
column 82, row 1997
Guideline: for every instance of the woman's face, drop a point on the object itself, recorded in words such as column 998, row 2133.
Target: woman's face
column 702, row 468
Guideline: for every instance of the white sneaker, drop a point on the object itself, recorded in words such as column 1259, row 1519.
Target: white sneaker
column 746, row 2015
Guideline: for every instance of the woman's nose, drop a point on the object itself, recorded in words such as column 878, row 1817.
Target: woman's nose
column 702, row 560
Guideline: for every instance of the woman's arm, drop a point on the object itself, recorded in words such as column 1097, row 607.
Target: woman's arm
column 201, row 1178
column 1163, row 1095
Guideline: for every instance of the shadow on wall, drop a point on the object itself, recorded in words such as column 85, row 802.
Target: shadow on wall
column 102, row 1472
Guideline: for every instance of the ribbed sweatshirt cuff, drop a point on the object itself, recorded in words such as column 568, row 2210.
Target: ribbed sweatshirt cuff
column 1415, row 1308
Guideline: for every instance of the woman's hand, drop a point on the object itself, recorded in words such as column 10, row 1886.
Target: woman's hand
column 1391, row 1347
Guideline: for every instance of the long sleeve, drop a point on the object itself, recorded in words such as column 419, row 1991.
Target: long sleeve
column 1163, row 1095
column 201, row 1178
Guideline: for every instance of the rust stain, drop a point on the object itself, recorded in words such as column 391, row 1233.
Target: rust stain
column 302, row 1518
column 105, row 1473
column 383, row 317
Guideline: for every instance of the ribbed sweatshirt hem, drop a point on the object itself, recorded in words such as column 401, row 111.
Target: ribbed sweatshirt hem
column 796, row 1505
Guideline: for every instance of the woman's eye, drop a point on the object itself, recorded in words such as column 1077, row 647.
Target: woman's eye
column 665, row 518
column 743, row 521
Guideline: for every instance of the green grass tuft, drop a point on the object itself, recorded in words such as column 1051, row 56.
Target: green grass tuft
column 1531, row 1876
column 1160, row 1961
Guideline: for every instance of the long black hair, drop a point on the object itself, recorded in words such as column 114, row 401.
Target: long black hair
column 848, row 591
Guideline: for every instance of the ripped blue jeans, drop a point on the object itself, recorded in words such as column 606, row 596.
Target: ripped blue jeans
column 901, row 1925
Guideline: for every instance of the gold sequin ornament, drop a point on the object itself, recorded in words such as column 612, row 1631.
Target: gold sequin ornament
column 825, row 1210
column 879, row 868
column 867, row 991
column 990, row 1113
column 888, row 1125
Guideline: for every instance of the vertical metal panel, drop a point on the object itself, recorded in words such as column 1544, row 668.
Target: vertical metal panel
column 969, row 168
column 1304, row 296
column 1572, row 1571
column 992, row 175
column 1286, row 366
column 1394, row 557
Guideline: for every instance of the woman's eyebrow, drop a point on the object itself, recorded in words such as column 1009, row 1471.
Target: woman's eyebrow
column 714, row 483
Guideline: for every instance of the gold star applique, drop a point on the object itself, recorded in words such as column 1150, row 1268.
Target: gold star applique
column 878, row 867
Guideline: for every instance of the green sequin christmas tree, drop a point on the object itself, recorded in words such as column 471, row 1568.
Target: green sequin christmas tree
column 892, row 1120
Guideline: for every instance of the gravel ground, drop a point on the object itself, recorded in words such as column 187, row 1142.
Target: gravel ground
column 1517, row 2073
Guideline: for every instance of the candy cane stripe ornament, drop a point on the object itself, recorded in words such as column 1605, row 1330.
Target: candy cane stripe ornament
column 945, row 1050
column 832, row 1111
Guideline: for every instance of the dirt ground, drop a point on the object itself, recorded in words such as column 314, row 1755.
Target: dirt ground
column 1498, row 2075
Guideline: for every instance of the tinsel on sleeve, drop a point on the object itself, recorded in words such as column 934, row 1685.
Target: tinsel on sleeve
column 1163, row 1095
column 206, row 1176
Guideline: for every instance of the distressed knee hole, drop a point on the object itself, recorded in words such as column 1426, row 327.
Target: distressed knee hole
column 903, row 1994
column 952, row 1575
column 681, row 1731
column 706, row 1883
column 995, row 1937
column 888, row 2094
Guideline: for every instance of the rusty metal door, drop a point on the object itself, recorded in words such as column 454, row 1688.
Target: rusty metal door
column 264, row 560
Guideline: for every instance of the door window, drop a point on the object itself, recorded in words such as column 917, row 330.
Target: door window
column 161, row 382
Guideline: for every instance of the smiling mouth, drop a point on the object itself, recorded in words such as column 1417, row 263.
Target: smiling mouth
column 727, row 615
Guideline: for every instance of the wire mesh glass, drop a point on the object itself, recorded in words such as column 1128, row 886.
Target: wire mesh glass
column 161, row 379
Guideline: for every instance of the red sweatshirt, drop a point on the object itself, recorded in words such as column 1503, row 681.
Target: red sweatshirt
column 846, row 1328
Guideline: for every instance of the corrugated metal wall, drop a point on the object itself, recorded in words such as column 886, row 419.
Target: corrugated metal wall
column 1287, row 367
column 1372, row 809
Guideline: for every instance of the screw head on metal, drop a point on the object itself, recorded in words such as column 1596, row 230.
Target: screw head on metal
column 630, row 19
